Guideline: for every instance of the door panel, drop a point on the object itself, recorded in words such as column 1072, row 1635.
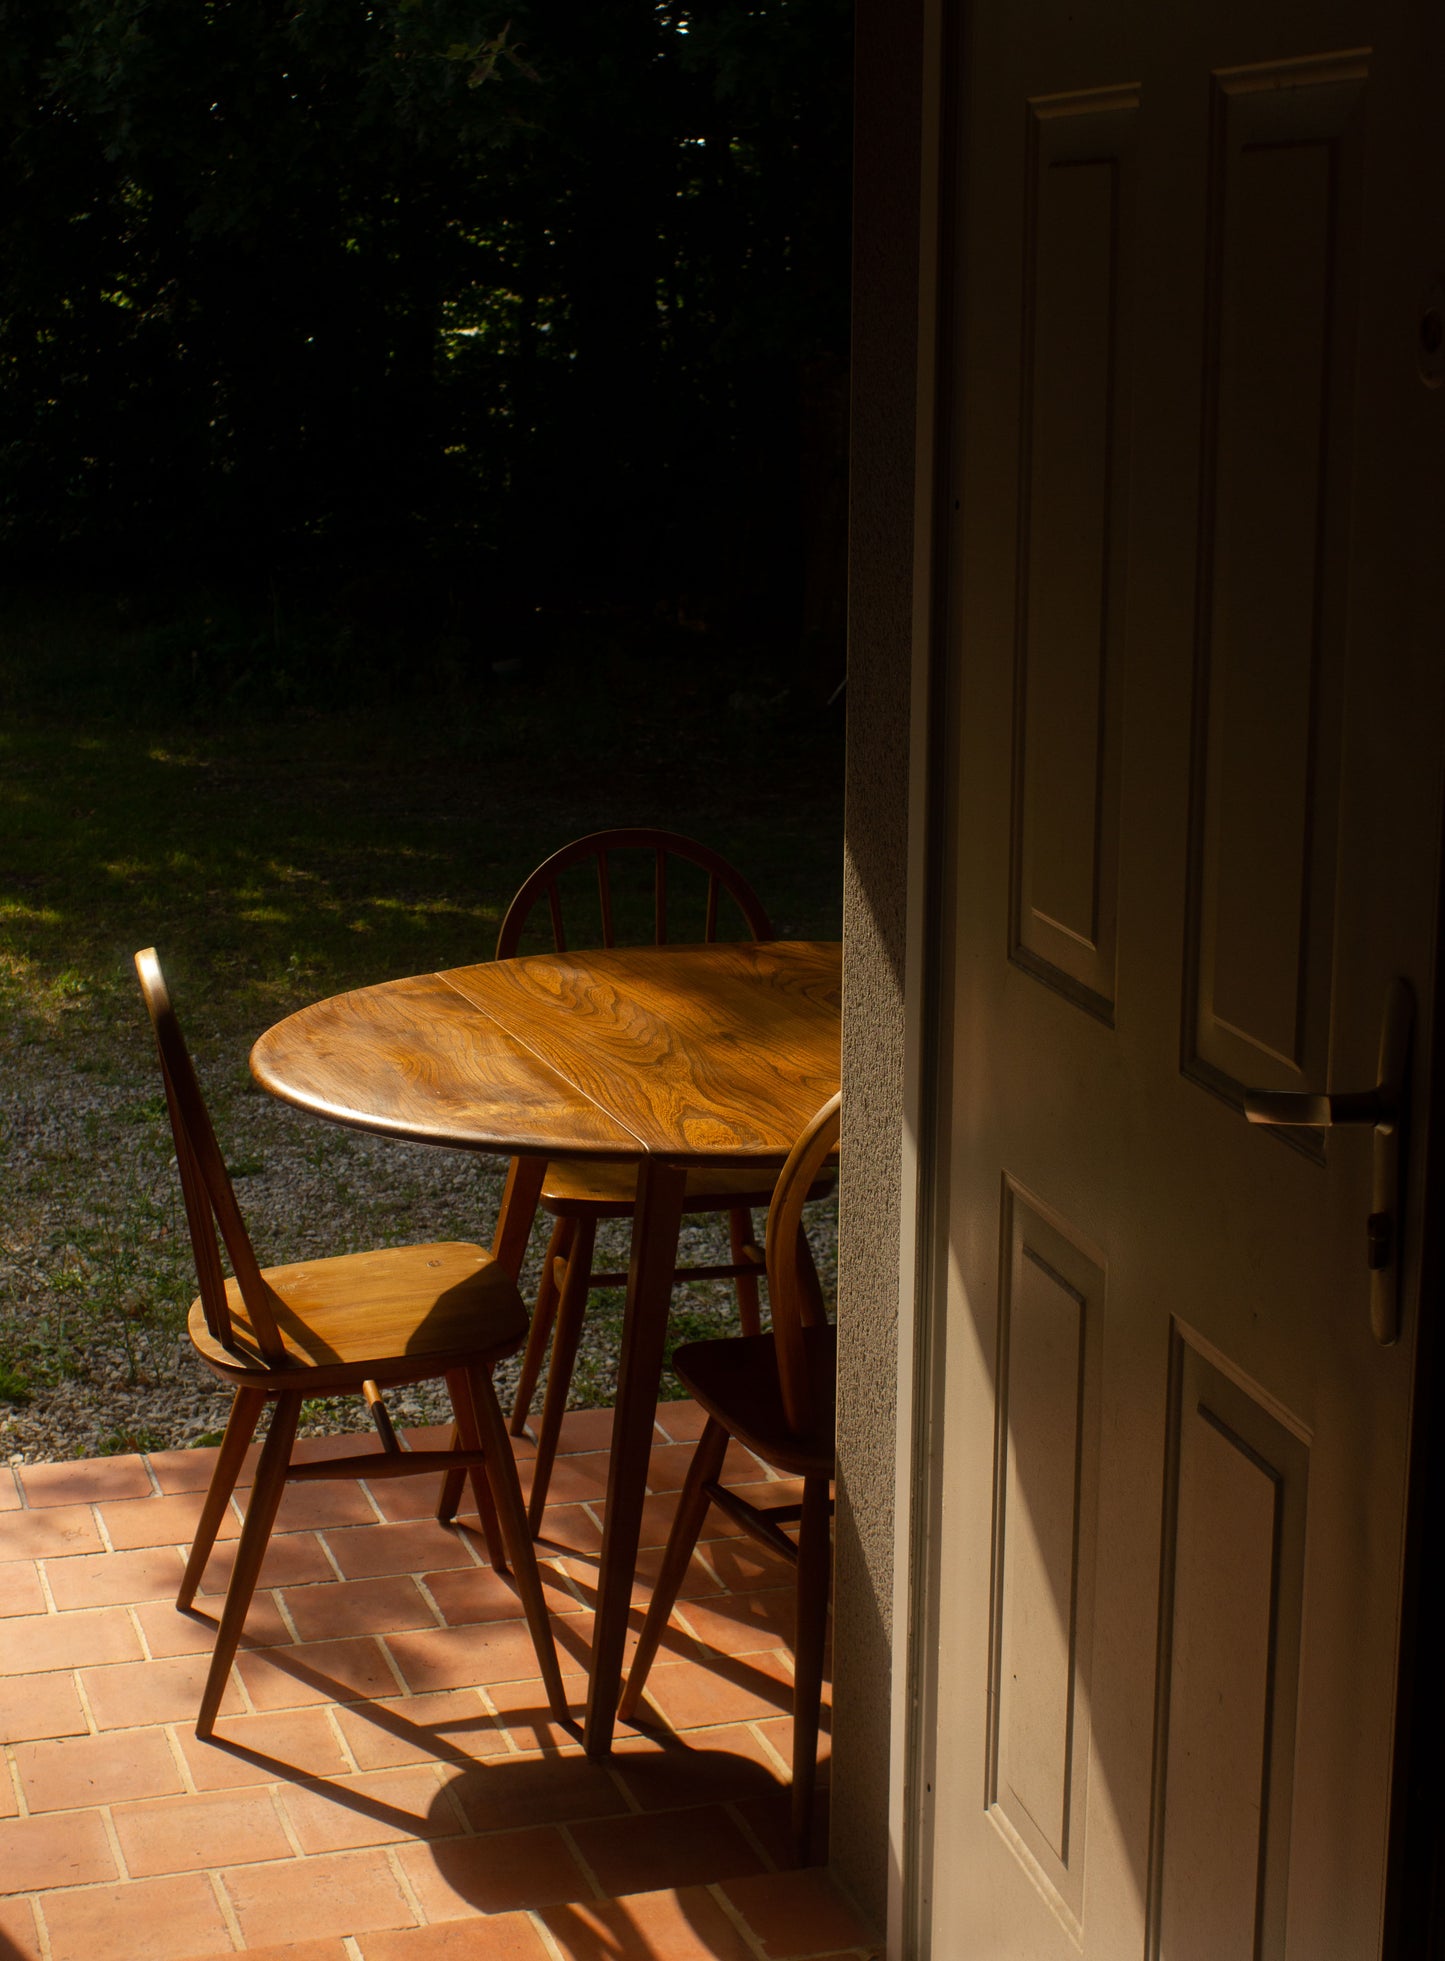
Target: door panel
column 1229, row 1675
column 1283, row 270
column 1073, row 473
column 1050, row 1327
column 1194, row 592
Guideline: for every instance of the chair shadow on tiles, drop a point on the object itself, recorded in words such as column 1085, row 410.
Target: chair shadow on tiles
column 663, row 1811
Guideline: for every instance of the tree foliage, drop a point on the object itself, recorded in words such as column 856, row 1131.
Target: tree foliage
column 550, row 285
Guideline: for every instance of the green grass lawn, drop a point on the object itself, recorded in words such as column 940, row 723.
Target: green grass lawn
column 277, row 854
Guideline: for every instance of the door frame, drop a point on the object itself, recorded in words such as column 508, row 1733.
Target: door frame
column 1415, row 1909
column 921, row 1279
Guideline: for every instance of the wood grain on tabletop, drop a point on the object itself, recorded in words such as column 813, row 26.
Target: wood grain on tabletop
column 412, row 1058
column 711, row 1051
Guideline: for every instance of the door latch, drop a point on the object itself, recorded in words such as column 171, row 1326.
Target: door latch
column 1383, row 1107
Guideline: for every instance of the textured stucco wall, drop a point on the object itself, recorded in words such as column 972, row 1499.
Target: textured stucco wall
column 885, row 291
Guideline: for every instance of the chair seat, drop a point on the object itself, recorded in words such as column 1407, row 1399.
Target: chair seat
column 400, row 1314
column 736, row 1380
column 574, row 1186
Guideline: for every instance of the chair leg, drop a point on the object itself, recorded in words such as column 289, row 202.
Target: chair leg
column 464, row 1427
column 745, row 1249
column 815, row 1559
column 501, row 1470
column 250, row 1551
column 543, row 1315
column 692, row 1504
column 246, row 1407
column 571, row 1310
column 509, row 1248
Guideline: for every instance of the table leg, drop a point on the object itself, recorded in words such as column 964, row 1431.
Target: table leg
column 509, row 1248
column 649, row 1289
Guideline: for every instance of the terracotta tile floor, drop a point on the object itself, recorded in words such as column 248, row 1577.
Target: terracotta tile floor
column 389, row 1785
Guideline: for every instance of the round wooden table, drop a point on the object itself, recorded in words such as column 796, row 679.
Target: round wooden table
column 669, row 1057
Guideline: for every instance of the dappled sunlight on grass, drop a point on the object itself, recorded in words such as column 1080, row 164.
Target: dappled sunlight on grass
column 41, row 997
column 35, row 915
column 187, row 759
column 435, row 909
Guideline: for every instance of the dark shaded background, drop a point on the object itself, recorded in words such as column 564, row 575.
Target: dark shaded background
column 336, row 335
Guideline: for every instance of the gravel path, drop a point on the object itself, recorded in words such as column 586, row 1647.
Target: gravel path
column 95, row 1267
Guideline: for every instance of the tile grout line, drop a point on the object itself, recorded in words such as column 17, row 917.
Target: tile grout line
column 288, row 1829
column 379, row 1516
column 403, row 1880
column 37, row 1908
column 446, row 1787
column 634, row 1809
column 750, row 1836
column 468, row 1539
column 754, row 1728
column 565, row 1581
column 45, row 1592
column 327, row 1553
column 544, row 1935
column 283, row 1612
column 189, row 1787
column 12, row 1771
column 698, row 1553
column 429, row 1599
column 122, row 1869
column 225, row 1908
column 235, row 1679
column 403, row 1687
column 343, row 1743
column 82, row 1696
column 565, row 1834
column 733, row 1913
column 140, row 1633
column 102, row 1530
column 513, row 1747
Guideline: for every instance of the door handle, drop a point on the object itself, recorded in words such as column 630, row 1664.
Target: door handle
column 1383, row 1107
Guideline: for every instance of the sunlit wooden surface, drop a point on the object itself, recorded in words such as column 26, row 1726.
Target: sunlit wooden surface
column 715, row 1054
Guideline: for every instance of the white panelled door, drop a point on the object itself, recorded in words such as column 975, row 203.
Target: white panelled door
column 1196, row 600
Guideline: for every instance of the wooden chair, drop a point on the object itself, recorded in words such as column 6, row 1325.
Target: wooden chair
column 776, row 1394
column 359, row 1322
column 579, row 1194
